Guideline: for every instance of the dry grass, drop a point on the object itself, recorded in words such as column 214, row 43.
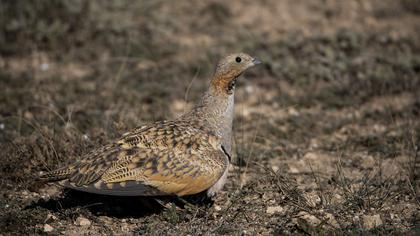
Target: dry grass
column 326, row 132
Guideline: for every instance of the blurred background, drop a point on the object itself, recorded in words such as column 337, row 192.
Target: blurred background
column 326, row 130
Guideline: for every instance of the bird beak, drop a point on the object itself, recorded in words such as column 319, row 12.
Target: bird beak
column 256, row 61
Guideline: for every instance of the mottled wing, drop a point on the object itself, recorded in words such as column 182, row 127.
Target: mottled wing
column 180, row 170
column 164, row 158
column 173, row 157
column 88, row 169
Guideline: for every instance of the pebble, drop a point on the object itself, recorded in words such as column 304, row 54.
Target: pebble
column 82, row 221
column 48, row 228
column 371, row 221
column 332, row 221
column 274, row 209
column 309, row 219
column 51, row 217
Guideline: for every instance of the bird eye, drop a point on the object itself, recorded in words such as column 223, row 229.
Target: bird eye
column 238, row 59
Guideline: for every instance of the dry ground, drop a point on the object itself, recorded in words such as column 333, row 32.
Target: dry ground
column 327, row 131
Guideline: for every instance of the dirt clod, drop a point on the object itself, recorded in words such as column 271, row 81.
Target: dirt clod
column 274, row 209
column 371, row 221
column 81, row 221
column 47, row 228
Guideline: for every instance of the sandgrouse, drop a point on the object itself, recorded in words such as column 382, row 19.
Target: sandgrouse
column 185, row 156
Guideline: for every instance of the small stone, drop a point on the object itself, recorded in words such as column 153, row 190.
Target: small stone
column 48, row 228
column 50, row 217
column 356, row 218
column 28, row 115
column 313, row 198
column 293, row 170
column 48, row 191
column 82, row 221
column 309, row 219
column 44, row 66
column 217, row 208
column 274, row 209
column 292, row 111
column 337, row 199
column 331, row 220
column 371, row 221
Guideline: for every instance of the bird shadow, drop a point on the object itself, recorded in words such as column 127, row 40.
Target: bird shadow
column 101, row 205
column 117, row 206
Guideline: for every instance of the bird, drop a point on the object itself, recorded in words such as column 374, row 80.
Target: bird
column 188, row 155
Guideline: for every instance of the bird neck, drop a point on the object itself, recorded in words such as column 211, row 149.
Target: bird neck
column 215, row 111
column 222, row 84
column 218, row 112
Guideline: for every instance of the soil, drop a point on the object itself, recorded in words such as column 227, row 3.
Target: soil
column 327, row 130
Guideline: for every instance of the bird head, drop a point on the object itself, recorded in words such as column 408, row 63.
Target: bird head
column 229, row 69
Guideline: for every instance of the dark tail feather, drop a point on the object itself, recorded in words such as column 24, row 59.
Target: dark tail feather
column 55, row 175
